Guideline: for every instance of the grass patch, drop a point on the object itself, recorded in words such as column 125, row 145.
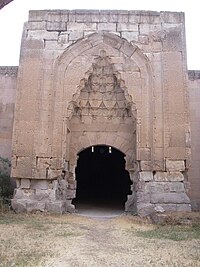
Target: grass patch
column 172, row 232
column 12, row 218
column 22, row 259
column 35, row 225
column 29, row 219
column 68, row 234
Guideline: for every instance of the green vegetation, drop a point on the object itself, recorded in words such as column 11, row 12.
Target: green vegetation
column 68, row 234
column 23, row 259
column 6, row 189
column 172, row 232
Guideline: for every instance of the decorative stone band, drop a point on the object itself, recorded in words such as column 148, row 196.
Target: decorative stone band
column 193, row 75
column 9, row 71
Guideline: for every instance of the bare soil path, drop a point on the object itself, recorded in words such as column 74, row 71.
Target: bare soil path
column 79, row 241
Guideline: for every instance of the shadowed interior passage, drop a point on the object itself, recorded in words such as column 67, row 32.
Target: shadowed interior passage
column 101, row 177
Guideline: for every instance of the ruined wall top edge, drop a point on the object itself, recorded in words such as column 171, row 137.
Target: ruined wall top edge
column 8, row 70
column 194, row 75
column 81, row 15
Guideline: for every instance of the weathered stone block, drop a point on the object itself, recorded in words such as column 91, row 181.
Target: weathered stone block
column 127, row 27
column 74, row 35
column 25, row 183
column 70, row 194
column 33, row 206
column 130, row 205
column 41, row 34
column 173, row 198
column 146, row 176
column 55, row 207
column 176, row 187
column 81, row 27
column 56, row 26
column 63, row 38
column 158, row 36
column 23, row 168
column 56, row 163
column 72, row 184
column 172, row 17
column 146, row 165
column 40, row 184
column 173, row 40
column 36, row 25
column 168, row 176
column 175, row 165
column 37, row 15
column 84, row 16
column 55, row 184
column 107, row 27
column 143, row 39
column 159, row 209
column 166, row 187
column 18, row 193
column 128, row 49
column 145, row 154
column 130, row 36
column 24, row 193
column 69, row 207
column 134, row 17
column 158, row 218
column 184, row 207
column 18, row 205
column 144, row 209
column 18, row 182
column 41, row 195
column 57, row 15
column 168, row 207
column 50, row 45
column 148, row 29
column 53, row 195
column 52, row 174
column 143, row 196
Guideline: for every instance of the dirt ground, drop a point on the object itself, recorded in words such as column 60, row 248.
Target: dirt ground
column 78, row 241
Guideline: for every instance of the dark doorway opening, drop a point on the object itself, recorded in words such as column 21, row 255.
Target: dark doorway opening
column 102, row 181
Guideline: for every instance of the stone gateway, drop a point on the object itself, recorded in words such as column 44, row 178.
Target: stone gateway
column 114, row 83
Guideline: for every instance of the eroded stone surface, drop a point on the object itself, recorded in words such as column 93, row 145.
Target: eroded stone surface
column 168, row 176
column 91, row 78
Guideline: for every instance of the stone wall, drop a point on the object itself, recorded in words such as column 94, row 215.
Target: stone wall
column 8, row 83
column 146, row 61
column 194, row 171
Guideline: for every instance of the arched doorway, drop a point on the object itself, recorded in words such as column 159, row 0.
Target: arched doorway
column 101, row 112
column 102, row 181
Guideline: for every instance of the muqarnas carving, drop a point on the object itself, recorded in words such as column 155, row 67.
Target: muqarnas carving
column 102, row 93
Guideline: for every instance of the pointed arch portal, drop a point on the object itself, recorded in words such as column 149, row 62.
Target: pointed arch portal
column 102, row 180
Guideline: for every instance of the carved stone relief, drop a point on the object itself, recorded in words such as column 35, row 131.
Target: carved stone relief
column 102, row 94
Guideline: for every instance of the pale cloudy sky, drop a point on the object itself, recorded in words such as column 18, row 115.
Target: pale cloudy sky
column 15, row 14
